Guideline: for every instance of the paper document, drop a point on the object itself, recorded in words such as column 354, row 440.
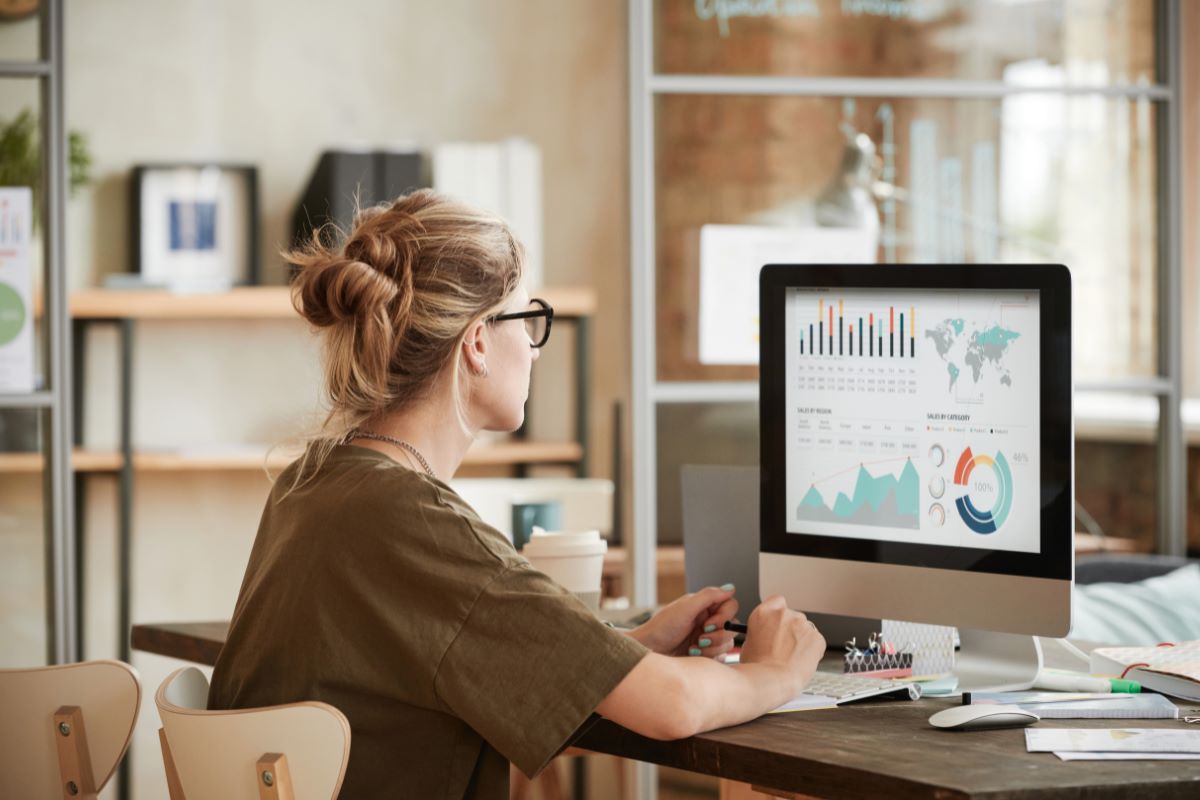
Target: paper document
column 806, row 702
column 1116, row 740
column 1129, row 756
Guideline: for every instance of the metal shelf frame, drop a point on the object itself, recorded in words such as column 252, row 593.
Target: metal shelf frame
column 54, row 403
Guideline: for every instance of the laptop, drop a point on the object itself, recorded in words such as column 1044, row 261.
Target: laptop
column 721, row 538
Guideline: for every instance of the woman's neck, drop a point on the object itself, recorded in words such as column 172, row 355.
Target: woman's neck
column 432, row 428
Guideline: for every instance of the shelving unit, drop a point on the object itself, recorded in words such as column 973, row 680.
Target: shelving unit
column 42, row 66
column 125, row 308
column 92, row 461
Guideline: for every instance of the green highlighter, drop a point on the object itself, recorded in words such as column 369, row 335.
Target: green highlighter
column 1062, row 681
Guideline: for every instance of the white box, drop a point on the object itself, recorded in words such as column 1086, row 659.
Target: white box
column 730, row 259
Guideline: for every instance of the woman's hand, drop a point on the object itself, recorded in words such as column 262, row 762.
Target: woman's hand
column 785, row 639
column 692, row 625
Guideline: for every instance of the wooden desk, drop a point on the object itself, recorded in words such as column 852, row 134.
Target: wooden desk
column 884, row 749
column 200, row 642
column 888, row 750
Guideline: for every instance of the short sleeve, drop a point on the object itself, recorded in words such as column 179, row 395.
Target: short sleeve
column 530, row 664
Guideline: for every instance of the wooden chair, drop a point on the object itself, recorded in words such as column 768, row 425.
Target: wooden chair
column 294, row 751
column 64, row 729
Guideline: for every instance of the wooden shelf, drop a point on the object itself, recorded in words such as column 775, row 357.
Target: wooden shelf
column 501, row 453
column 1087, row 543
column 82, row 460
column 256, row 302
column 669, row 560
column 252, row 302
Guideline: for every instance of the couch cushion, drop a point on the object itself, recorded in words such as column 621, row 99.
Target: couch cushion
column 1162, row 609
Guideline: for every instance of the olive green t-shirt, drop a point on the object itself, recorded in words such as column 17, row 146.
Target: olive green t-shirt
column 376, row 589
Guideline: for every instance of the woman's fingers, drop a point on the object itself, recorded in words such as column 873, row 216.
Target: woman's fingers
column 719, row 646
column 712, row 644
column 720, row 614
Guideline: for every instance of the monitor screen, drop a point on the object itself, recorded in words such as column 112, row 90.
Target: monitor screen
column 918, row 415
column 913, row 415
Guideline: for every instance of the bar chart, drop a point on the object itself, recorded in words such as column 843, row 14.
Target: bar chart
column 863, row 333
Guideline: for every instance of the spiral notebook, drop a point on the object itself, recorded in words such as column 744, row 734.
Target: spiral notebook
column 1172, row 669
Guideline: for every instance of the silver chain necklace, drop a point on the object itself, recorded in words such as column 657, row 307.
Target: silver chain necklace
column 379, row 437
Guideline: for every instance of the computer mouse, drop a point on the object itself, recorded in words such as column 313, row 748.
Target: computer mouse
column 982, row 717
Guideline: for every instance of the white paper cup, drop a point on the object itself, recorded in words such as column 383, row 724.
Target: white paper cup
column 574, row 560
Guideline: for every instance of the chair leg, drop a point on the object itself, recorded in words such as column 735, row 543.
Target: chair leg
column 74, row 760
column 519, row 786
column 274, row 778
column 550, row 783
column 174, row 787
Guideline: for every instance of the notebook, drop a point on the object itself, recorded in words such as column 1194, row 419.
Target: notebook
column 1172, row 669
column 1135, row 706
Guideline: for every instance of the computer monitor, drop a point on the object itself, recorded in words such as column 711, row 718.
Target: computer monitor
column 916, row 451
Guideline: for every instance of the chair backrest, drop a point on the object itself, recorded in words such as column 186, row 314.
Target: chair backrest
column 215, row 753
column 107, row 695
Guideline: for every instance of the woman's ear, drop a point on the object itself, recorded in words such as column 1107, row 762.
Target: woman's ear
column 475, row 348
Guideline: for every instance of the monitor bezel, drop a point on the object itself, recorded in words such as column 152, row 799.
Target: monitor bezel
column 1053, row 283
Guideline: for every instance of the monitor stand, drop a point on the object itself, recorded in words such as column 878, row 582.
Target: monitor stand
column 988, row 661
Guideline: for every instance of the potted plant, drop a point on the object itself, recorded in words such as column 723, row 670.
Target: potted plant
column 20, row 159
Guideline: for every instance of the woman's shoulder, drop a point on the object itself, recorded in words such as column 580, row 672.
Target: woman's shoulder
column 483, row 538
column 368, row 490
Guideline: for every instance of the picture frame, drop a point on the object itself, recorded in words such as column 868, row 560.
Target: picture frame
column 194, row 226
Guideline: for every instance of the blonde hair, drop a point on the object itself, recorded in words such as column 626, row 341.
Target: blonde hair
column 393, row 302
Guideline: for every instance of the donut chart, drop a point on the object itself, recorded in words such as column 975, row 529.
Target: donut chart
column 990, row 520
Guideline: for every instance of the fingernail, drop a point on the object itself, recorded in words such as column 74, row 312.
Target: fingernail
column 709, row 628
column 706, row 642
column 693, row 651
column 727, row 587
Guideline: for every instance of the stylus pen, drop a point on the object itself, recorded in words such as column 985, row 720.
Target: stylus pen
column 736, row 627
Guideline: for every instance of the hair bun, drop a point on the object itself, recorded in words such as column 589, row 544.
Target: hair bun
column 337, row 289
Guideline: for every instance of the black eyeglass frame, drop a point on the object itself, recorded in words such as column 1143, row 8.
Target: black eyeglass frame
column 545, row 311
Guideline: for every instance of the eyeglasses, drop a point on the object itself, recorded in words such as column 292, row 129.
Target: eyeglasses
column 537, row 321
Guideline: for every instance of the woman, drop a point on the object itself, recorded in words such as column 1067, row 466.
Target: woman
column 372, row 586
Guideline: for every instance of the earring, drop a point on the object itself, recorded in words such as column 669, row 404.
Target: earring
column 482, row 372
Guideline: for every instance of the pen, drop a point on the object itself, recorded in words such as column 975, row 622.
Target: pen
column 736, row 627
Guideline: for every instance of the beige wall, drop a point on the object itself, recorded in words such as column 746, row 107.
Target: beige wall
column 273, row 83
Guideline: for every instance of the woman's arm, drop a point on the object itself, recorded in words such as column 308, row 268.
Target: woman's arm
column 673, row 698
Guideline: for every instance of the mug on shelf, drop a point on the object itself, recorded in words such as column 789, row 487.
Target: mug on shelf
column 545, row 514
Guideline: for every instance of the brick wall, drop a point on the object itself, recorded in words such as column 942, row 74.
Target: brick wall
column 1117, row 483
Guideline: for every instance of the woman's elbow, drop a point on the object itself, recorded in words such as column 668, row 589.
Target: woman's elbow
column 680, row 727
column 653, row 701
column 678, row 714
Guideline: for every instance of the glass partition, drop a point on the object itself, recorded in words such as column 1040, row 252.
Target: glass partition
column 1076, row 43
column 747, row 180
